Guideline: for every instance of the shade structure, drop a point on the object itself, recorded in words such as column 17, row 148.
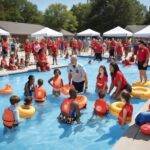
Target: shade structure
column 3, row 32
column 47, row 32
column 118, row 32
column 143, row 33
column 88, row 32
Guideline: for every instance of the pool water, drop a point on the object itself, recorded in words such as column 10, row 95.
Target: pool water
column 43, row 130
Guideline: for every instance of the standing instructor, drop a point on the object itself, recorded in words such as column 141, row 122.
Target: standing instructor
column 77, row 75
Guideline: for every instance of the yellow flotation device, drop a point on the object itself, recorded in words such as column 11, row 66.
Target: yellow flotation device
column 138, row 83
column 141, row 92
column 26, row 113
column 116, row 107
column 7, row 89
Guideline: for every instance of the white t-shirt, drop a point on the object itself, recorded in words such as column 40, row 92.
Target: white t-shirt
column 77, row 72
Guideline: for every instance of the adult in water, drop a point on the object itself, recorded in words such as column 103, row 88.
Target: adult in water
column 118, row 80
column 77, row 75
column 142, row 60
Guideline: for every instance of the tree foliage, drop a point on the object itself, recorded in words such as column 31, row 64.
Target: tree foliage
column 147, row 17
column 19, row 11
column 58, row 17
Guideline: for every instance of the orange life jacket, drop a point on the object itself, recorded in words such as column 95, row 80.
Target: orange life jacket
column 57, row 84
column 8, row 118
column 40, row 94
column 66, row 105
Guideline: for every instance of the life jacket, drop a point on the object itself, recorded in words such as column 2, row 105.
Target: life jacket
column 40, row 94
column 8, row 118
column 129, row 109
column 66, row 106
column 57, row 84
column 101, row 107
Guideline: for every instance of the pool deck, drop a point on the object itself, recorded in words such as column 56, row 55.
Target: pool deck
column 133, row 139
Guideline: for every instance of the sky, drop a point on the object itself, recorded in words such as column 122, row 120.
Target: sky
column 43, row 4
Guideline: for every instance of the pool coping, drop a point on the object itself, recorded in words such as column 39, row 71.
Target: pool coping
column 133, row 139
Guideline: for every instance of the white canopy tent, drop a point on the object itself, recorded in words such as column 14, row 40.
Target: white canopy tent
column 3, row 32
column 144, row 32
column 88, row 32
column 118, row 32
column 47, row 32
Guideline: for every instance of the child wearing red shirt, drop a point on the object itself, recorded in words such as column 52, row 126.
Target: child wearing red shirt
column 54, row 50
column 27, row 48
column 125, row 115
column 12, row 65
column 102, row 79
column 119, row 51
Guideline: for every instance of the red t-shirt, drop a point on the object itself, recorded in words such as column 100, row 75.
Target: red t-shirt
column 54, row 49
column 129, row 109
column 5, row 45
column 98, row 48
column 119, row 77
column 112, row 44
column 27, row 47
column 101, row 82
column 142, row 54
column 119, row 50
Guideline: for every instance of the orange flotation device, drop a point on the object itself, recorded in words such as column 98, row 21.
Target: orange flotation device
column 81, row 100
column 145, row 129
column 8, row 118
column 101, row 107
column 65, row 106
column 7, row 89
column 57, row 83
column 40, row 94
column 66, row 88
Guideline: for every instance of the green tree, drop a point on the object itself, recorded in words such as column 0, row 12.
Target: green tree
column 81, row 11
column 147, row 17
column 57, row 16
column 20, row 11
column 106, row 14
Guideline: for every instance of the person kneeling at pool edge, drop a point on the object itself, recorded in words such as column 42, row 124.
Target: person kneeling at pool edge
column 125, row 115
column 70, row 111
column 11, row 115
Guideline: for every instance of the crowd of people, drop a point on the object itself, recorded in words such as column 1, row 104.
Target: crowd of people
column 77, row 76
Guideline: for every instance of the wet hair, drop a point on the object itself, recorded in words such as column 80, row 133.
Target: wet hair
column 31, row 77
column 101, row 95
column 14, row 99
column 28, row 100
column 72, row 93
column 57, row 70
column 126, row 96
column 142, row 42
column 115, row 67
column 105, row 71
column 40, row 82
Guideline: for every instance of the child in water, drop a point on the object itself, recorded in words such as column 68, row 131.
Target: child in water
column 102, row 79
column 56, row 82
column 40, row 92
column 125, row 114
column 70, row 111
column 29, row 86
column 27, row 102
column 11, row 115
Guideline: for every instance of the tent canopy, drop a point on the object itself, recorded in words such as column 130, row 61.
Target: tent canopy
column 88, row 32
column 47, row 32
column 117, row 32
column 3, row 32
column 66, row 33
column 144, row 32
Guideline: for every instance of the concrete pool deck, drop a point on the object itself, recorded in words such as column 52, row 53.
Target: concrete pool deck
column 133, row 139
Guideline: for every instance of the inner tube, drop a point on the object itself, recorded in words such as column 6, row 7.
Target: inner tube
column 142, row 118
column 145, row 129
column 139, row 83
column 7, row 89
column 26, row 113
column 116, row 107
column 66, row 88
column 141, row 92
column 81, row 100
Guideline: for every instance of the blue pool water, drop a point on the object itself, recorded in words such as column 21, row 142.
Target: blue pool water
column 44, row 132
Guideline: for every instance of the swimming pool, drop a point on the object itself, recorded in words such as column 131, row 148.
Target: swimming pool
column 43, row 130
